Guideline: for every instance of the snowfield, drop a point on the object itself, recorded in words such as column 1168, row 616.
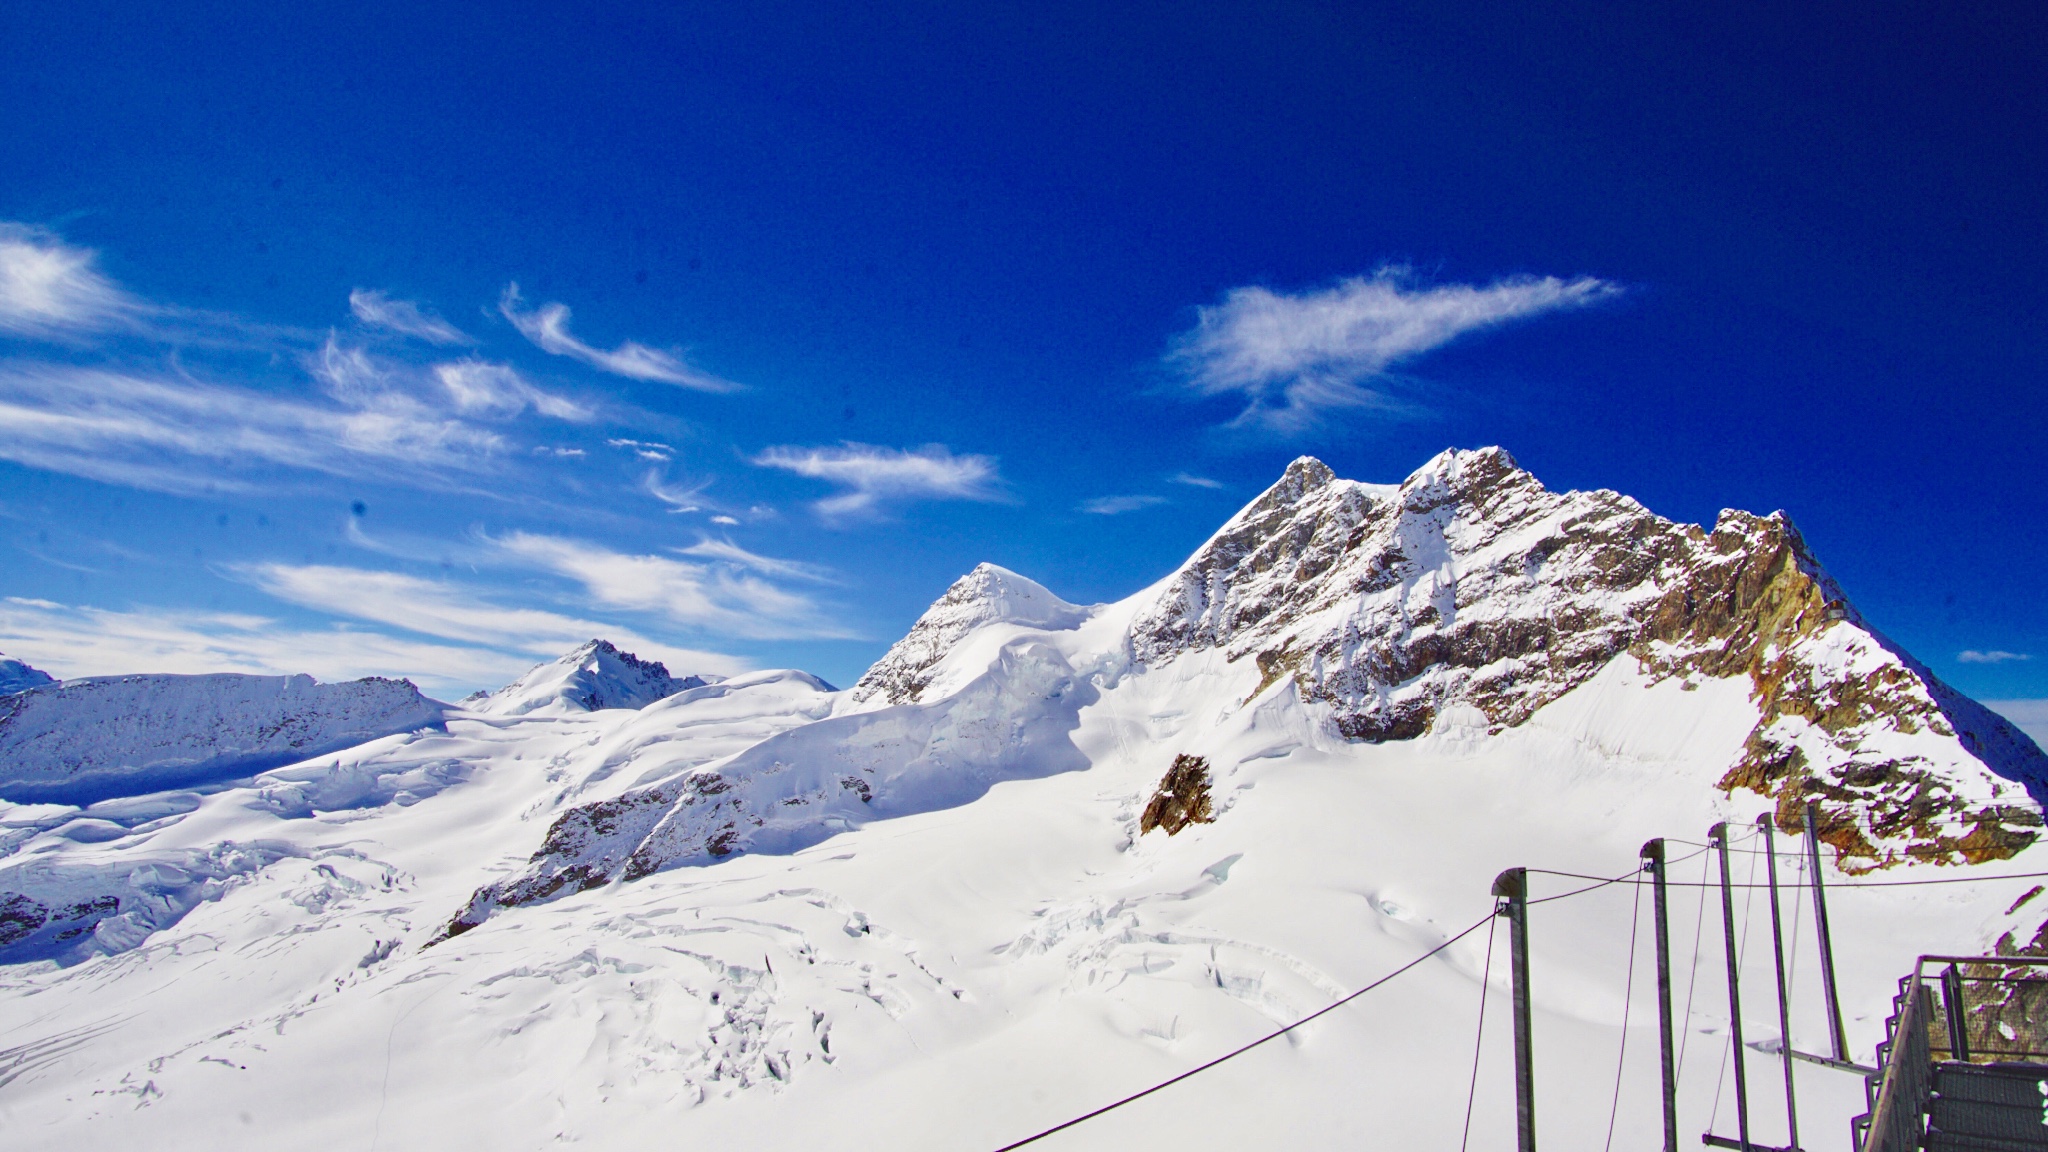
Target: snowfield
column 439, row 938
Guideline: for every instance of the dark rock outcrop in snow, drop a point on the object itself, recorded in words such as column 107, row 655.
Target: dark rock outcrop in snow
column 1181, row 799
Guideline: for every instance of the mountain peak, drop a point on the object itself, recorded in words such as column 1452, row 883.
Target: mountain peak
column 1469, row 473
column 596, row 676
column 989, row 594
column 1305, row 473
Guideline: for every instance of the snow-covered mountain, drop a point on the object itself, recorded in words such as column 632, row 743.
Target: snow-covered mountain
column 121, row 735
column 988, row 595
column 16, row 676
column 592, row 678
column 1039, row 856
column 1471, row 595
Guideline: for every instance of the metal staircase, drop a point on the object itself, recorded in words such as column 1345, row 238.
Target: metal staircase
column 1964, row 1065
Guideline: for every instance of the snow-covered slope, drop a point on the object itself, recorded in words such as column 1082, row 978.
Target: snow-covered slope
column 922, row 914
column 16, row 676
column 593, row 677
column 119, row 735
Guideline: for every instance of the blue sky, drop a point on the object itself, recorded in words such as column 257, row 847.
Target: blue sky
column 365, row 338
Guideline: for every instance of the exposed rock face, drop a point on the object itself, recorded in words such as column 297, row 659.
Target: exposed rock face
column 1182, row 798
column 108, row 735
column 595, row 676
column 1470, row 583
column 987, row 595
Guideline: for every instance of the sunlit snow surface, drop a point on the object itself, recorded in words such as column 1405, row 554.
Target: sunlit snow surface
column 953, row 979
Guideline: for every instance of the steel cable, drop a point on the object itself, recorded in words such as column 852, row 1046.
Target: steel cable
column 1478, row 1040
column 1627, row 993
column 1236, row 1052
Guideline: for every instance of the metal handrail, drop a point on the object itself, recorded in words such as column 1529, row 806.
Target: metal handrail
column 1900, row 1114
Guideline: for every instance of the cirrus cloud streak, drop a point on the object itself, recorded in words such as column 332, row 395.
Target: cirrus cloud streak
column 872, row 476
column 547, row 327
column 1295, row 357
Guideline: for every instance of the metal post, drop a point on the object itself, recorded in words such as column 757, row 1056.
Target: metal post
column 1512, row 887
column 1952, row 1007
column 1763, row 824
column 1653, row 863
column 1827, row 943
column 1718, row 837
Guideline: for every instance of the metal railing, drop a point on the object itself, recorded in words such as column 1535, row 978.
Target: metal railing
column 1993, row 1009
column 1988, row 1014
column 1899, row 1115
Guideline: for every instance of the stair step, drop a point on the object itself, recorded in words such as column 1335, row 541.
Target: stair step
column 1952, row 1142
column 2015, row 1085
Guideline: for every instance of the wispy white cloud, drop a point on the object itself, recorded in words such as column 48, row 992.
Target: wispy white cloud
column 548, row 328
column 1118, row 505
column 720, row 598
column 1994, row 656
column 644, row 449
column 1194, row 481
column 174, row 434
column 460, row 613
column 403, row 316
column 872, row 475
column 75, row 640
column 469, row 386
column 49, row 288
column 1295, row 357
column 732, row 553
column 728, row 521
column 678, row 499
column 496, row 390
